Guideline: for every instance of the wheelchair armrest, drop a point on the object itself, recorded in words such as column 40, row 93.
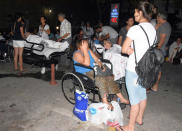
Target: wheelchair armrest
column 88, row 67
column 107, row 62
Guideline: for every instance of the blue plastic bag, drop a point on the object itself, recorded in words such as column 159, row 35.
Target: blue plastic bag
column 81, row 104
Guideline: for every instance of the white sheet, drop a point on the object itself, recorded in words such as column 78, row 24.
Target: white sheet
column 118, row 61
column 50, row 46
column 1, row 37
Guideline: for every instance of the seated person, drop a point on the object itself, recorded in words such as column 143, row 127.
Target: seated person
column 174, row 48
column 112, row 47
column 118, row 60
column 107, row 44
column 106, row 85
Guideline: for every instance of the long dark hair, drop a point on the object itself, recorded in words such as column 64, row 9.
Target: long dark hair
column 17, row 16
column 44, row 18
column 146, row 8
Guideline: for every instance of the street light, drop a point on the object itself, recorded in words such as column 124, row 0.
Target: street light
column 50, row 11
column 57, row 27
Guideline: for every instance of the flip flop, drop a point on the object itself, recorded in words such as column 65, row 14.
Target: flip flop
column 120, row 128
column 153, row 90
column 140, row 124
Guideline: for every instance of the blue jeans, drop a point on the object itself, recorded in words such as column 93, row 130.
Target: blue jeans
column 136, row 92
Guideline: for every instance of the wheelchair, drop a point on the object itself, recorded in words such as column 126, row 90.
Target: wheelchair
column 73, row 81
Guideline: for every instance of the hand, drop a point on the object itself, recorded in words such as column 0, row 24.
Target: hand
column 103, row 68
column 177, row 48
column 130, row 51
column 159, row 47
column 60, row 39
column 84, row 46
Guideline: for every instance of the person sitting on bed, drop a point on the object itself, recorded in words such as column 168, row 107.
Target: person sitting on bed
column 107, row 44
column 106, row 85
column 112, row 47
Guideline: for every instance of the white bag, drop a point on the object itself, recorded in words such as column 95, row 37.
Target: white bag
column 98, row 113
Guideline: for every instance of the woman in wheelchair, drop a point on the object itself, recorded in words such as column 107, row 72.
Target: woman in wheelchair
column 106, row 84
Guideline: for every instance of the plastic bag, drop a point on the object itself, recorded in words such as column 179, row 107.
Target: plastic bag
column 81, row 104
column 98, row 113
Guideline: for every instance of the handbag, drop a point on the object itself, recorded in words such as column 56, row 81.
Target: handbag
column 148, row 67
column 81, row 104
column 100, row 72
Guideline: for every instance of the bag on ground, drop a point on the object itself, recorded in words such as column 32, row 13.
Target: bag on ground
column 81, row 104
column 98, row 113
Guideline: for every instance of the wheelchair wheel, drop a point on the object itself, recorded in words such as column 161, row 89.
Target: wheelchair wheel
column 71, row 82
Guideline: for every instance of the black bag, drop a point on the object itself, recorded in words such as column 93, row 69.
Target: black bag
column 100, row 72
column 148, row 67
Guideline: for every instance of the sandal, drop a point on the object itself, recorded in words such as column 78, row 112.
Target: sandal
column 120, row 128
column 140, row 124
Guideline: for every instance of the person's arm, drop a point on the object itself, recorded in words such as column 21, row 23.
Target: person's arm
column 68, row 30
column 120, row 40
column 126, row 49
column 65, row 35
column 82, row 59
column 96, row 59
column 161, row 40
column 47, row 31
column 85, row 58
column 22, row 32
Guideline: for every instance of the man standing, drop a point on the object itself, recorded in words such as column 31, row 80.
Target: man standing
column 65, row 28
column 65, row 35
column 163, row 34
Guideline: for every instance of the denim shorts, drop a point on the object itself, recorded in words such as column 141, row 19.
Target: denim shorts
column 136, row 92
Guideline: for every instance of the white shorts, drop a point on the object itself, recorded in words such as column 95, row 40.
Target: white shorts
column 18, row 43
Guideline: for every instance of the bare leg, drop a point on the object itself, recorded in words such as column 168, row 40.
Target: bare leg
column 104, row 100
column 20, row 51
column 15, row 58
column 142, row 107
column 156, row 86
column 133, row 116
column 123, row 100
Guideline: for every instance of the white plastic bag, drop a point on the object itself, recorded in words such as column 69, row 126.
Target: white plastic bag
column 98, row 113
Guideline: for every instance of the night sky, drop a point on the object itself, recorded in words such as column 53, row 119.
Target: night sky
column 75, row 10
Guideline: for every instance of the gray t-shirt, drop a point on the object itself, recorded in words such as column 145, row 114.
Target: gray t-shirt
column 123, row 33
column 165, row 28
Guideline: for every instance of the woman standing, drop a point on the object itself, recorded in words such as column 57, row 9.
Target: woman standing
column 44, row 29
column 124, row 30
column 135, row 35
column 18, row 43
column 44, row 32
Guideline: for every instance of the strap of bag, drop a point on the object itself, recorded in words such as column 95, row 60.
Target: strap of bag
column 146, row 35
column 135, row 52
column 147, row 40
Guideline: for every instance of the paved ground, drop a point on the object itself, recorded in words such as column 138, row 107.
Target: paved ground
column 29, row 103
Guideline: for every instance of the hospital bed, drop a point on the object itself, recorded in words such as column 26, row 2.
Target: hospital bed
column 43, row 53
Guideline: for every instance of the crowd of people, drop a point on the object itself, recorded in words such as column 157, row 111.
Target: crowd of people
column 146, row 15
